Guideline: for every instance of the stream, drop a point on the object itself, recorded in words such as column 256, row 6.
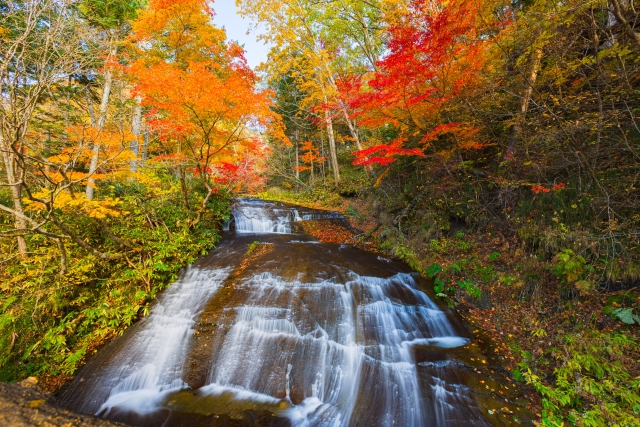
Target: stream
column 306, row 334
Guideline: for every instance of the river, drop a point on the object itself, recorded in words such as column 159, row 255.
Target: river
column 295, row 333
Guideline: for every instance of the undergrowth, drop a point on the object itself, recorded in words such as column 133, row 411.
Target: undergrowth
column 50, row 322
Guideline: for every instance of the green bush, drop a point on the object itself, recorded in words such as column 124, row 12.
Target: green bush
column 49, row 322
column 593, row 386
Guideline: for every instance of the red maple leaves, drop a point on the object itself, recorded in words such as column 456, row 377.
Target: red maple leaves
column 437, row 51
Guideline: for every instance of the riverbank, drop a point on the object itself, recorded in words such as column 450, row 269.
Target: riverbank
column 24, row 404
column 52, row 321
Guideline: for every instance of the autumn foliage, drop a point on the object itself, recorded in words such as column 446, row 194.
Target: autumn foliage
column 125, row 127
column 201, row 94
column 437, row 50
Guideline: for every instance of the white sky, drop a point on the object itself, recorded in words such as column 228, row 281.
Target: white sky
column 236, row 27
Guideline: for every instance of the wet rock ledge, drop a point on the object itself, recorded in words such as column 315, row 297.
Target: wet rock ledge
column 25, row 405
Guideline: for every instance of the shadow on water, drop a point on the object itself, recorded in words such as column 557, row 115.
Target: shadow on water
column 307, row 334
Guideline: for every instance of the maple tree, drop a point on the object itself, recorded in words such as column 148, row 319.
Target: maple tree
column 117, row 119
column 310, row 158
column 436, row 52
column 201, row 95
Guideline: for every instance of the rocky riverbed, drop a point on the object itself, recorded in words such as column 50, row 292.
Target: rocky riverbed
column 24, row 404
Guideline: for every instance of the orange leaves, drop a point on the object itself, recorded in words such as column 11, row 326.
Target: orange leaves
column 202, row 96
column 327, row 231
column 537, row 189
column 310, row 156
column 113, row 145
column 112, row 140
column 178, row 30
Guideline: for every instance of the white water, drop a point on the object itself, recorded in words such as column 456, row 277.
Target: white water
column 256, row 216
column 362, row 331
column 154, row 356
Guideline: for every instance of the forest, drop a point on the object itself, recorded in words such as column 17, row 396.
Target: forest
column 493, row 146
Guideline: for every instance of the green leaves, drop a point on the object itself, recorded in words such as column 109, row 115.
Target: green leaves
column 96, row 300
column 627, row 316
column 573, row 271
column 109, row 13
column 591, row 383
column 440, row 283
column 432, row 270
column 471, row 289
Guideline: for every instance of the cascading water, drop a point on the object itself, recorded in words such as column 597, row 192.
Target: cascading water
column 257, row 216
column 310, row 335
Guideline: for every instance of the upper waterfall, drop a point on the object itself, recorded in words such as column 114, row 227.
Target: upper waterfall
column 259, row 216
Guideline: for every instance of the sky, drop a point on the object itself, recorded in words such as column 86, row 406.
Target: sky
column 236, row 27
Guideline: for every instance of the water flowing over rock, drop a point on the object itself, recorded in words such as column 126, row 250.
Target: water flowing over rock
column 309, row 334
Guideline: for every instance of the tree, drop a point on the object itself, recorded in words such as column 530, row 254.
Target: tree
column 316, row 43
column 110, row 19
column 201, row 94
column 310, row 158
column 40, row 46
column 437, row 51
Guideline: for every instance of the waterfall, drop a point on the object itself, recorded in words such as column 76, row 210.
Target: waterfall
column 317, row 335
column 257, row 216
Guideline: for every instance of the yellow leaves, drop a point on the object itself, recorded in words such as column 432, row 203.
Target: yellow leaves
column 539, row 333
column 67, row 202
column 85, row 135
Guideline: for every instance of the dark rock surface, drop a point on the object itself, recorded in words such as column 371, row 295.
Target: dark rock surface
column 25, row 405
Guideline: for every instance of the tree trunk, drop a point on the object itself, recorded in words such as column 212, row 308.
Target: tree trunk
column 534, row 67
column 332, row 147
column 628, row 28
column 145, row 143
column 13, row 174
column 297, row 167
column 183, row 186
column 104, row 103
column 352, row 128
column 136, row 128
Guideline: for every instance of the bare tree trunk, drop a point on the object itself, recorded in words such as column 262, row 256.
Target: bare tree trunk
column 352, row 128
column 104, row 103
column 297, row 167
column 628, row 28
column 136, row 128
column 324, row 176
column 534, row 67
column 10, row 166
column 183, row 186
column 332, row 147
column 145, row 144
